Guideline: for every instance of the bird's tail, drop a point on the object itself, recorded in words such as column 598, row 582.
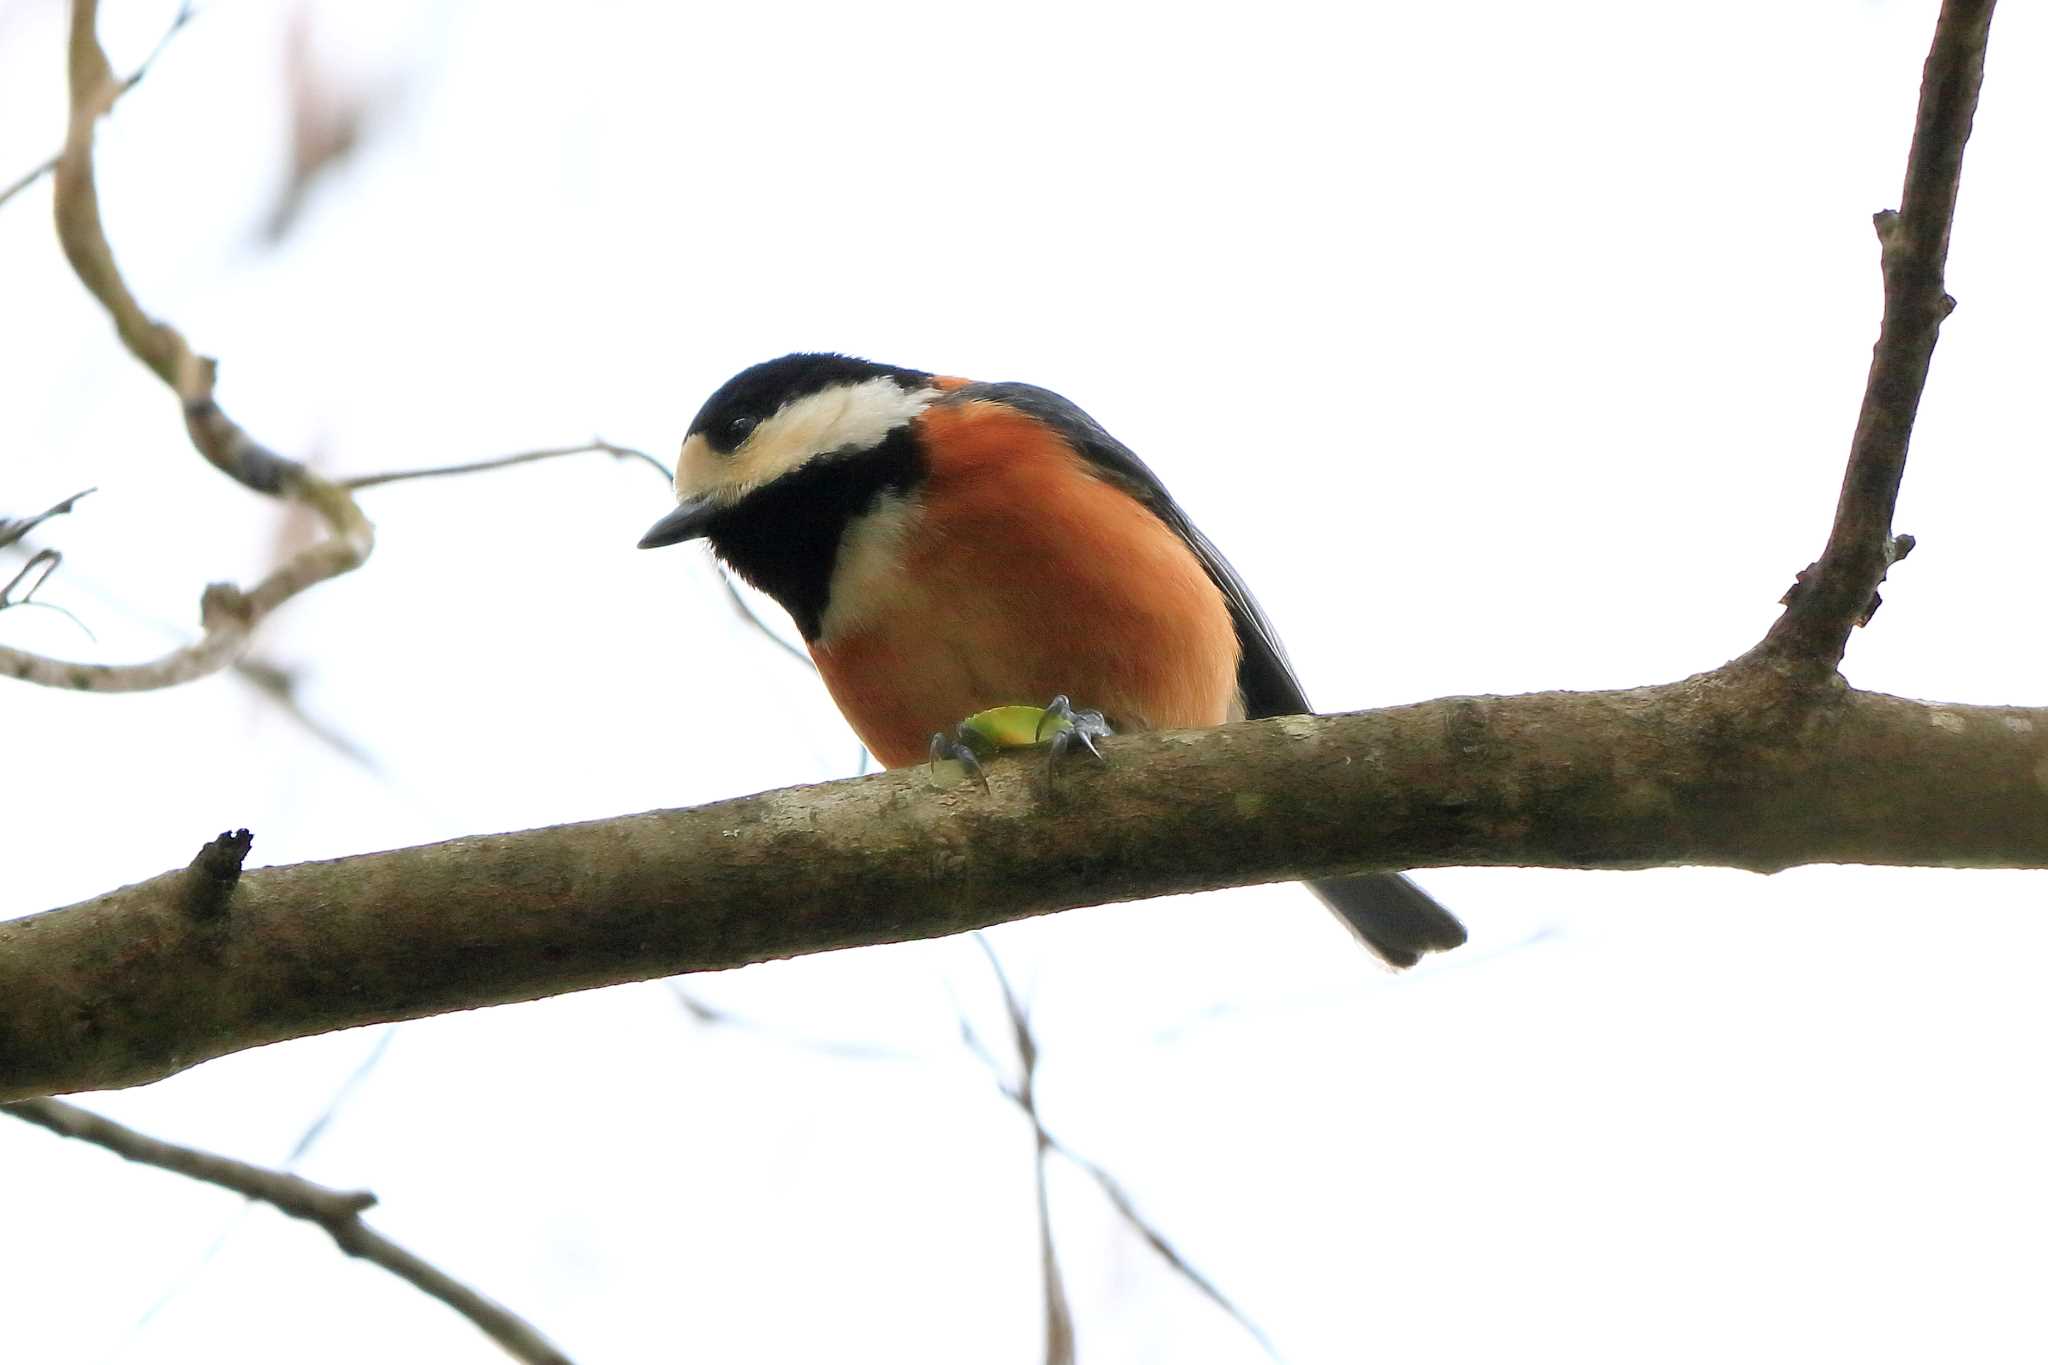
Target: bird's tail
column 1391, row 915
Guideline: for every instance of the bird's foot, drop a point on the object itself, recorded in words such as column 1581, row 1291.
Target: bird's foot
column 986, row 733
column 1069, row 730
column 956, row 748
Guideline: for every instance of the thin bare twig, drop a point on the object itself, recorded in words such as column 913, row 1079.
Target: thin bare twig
column 734, row 596
column 343, row 1093
column 711, row 1016
column 595, row 444
column 186, row 13
column 228, row 614
column 1059, row 1320
column 190, row 1273
column 45, row 560
column 273, row 681
column 280, row 685
column 1299, row 1002
column 1059, row 1323
column 1059, row 1315
column 27, row 178
column 337, row 1212
column 41, row 565
column 1122, row 1202
column 1837, row 593
column 15, row 529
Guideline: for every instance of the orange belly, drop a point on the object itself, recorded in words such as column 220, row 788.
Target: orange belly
column 1020, row 577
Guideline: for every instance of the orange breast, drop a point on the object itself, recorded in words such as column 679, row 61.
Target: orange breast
column 1023, row 576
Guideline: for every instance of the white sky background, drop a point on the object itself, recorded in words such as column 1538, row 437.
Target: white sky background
column 1502, row 347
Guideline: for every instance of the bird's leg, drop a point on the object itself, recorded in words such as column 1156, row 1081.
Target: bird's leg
column 989, row 732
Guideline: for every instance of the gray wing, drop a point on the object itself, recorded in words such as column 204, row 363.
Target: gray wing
column 1265, row 678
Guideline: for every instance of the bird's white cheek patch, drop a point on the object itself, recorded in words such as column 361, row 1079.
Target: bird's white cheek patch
column 868, row 578
column 846, row 417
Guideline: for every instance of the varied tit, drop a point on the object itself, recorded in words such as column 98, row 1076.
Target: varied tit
column 916, row 527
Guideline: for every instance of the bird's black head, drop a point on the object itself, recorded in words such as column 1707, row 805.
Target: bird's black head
column 784, row 457
column 770, row 422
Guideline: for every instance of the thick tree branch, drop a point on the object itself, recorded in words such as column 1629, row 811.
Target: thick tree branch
column 1838, row 592
column 1737, row 768
column 338, row 1213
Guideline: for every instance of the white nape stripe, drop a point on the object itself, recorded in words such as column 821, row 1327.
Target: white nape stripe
column 845, row 417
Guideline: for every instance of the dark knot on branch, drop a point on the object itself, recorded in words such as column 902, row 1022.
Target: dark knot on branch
column 210, row 879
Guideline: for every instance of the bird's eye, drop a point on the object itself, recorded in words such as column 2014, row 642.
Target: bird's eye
column 737, row 429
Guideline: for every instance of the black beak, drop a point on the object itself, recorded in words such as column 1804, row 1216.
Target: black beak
column 687, row 522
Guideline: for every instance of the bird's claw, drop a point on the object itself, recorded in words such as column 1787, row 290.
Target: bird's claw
column 957, row 748
column 1059, row 725
column 1070, row 730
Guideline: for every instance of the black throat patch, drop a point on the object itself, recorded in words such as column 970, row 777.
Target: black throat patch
column 784, row 536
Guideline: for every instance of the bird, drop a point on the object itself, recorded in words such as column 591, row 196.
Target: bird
column 916, row 527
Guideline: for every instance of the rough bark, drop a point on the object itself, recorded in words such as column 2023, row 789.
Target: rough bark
column 1744, row 767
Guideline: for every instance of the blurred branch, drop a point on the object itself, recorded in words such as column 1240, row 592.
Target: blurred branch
column 1121, row 1201
column 1059, row 1315
column 1839, row 592
column 338, row 1213
column 190, row 1273
column 184, row 16
column 45, row 561
column 594, row 445
column 338, row 1101
column 40, row 564
column 12, row 530
column 1059, row 1320
column 328, row 121
column 711, row 1016
column 738, row 601
column 228, row 614
column 275, row 682
column 280, row 685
